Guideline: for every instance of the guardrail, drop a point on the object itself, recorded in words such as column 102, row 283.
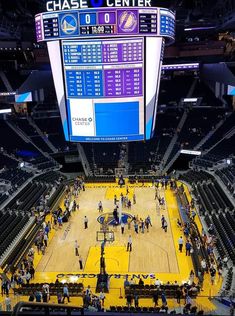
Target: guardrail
column 47, row 308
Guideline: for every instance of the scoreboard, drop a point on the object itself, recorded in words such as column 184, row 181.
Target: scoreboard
column 109, row 22
column 106, row 65
column 107, row 76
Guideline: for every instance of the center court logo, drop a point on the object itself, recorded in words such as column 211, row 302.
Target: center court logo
column 69, row 24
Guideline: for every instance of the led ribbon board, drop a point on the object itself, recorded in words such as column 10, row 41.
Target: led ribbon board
column 106, row 65
column 105, row 21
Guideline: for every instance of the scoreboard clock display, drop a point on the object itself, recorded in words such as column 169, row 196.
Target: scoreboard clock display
column 106, row 65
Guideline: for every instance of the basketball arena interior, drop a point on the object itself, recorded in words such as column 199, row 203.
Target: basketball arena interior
column 117, row 157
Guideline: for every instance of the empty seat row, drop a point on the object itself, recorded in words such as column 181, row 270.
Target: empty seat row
column 11, row 225
column 132, row 309
column 226, row 240
column 49, row 177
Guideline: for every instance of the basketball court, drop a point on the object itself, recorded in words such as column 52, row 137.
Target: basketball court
column 150, row 249
column 155, row 253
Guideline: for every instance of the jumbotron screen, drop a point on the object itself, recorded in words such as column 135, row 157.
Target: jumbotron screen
column 106, row 65
column 105, row 89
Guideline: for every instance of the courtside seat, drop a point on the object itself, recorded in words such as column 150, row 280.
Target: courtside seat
column 119, row 309
column 55, row 288
column 113, row 308
column 125, row 309
column 147, row 291
column 132, row 309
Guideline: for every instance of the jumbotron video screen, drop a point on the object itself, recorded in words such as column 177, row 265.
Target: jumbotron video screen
column 106, row 65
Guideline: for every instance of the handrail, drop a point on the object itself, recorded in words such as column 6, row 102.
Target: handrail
column 46, row 307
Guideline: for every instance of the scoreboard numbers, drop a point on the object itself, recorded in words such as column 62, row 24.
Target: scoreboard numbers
column 107, row 18
column 87, row 19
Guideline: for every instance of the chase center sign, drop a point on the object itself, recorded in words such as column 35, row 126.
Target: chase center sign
column 59, row 5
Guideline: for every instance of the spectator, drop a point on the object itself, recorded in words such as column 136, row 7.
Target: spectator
column 8, row 303
column 203, row 265
column 126, row 282
column 179, row 294
column 188, row 247
column 212, row 274
column 155, row 297
column 129, row 300
column 65, row 293
column 180, row 243
column 141, row 282
column 163, row 297
column 31, row 297
column 102, row 297
column 157, row 282
column 59, row 298
column 38, row 296
column 136, row 300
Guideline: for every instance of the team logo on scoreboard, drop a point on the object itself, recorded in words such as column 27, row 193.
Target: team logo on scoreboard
column 69, row 24
column 127, row 21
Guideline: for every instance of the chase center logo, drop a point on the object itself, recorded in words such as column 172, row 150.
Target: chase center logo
column 82, row 121
column 69, row 24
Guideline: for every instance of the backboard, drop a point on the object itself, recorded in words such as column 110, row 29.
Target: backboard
column 109, row 236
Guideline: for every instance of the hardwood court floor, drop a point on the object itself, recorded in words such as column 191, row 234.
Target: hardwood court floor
column 153, row 251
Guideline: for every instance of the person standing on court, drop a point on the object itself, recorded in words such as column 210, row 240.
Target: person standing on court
column 134, row 199
column 149, row 220
column 142, row 226
column 180, row 243
column 162, row 221
column 45, row 238
column 85, row 222
column 65, row 293
column 129, row 220
column 76, row 248
column 100, row 206
column 129, row 244
column 136, row 227
column 165, row 226
column 80, row 263
column 122, row 227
